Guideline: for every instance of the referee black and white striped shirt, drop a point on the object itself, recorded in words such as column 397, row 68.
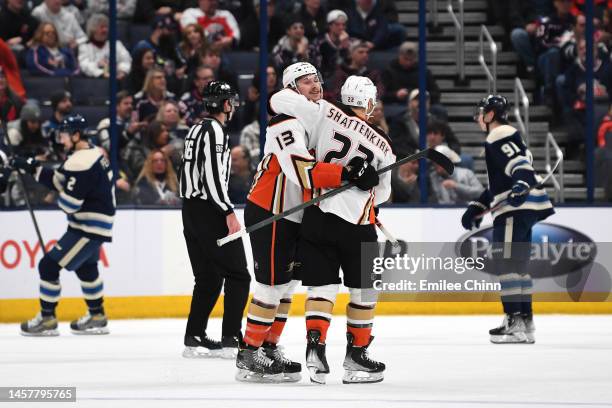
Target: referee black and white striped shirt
column 206, row 164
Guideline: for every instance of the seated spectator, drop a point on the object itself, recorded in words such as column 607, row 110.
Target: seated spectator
column 125, row 8
column 147, row 10
column 220, row 25
column 10, row 103
column 459, row 188
column 241, row 176
column 312, row 15
column 144, row 60
column 94, row 54
column 169, row 116
column 539, row 43
column 193, row 41
column 367, row 22
column 292, row 47
column 76, row 8
column 356, row 65
column 154, row 92
column 404, row 128
column 192, row 102
column 46, row 57
column 127, row 126
column 157, row 183
column 70, row 33
column 439, row 133
column 402, row 76
column 378, row 117
column 405, row 182
column 25, row 134
column 332, row 48
column 211, row 57
column 250, row 28
column 17, row 26
column 61, row 103
column 251, row 106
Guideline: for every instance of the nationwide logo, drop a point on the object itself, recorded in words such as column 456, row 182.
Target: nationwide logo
column 555, row 250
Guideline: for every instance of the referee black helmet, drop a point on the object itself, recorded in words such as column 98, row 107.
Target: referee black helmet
column 216, row 93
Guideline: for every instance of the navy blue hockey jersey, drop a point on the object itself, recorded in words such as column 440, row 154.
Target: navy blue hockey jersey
column 508, row 162
column 86, row 192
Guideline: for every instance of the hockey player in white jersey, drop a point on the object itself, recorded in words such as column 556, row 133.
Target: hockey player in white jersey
column 332, row 231
column 285, row 177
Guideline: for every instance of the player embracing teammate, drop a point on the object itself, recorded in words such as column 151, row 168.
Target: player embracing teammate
column 518, row 203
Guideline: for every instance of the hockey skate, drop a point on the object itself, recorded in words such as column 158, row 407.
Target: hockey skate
column 316, row 361
column 529, row 327
column 291, row 369
column 358, row 366
column 512, row 330
column 230, row 346
column 40, row 326
column 90, row 324
column 202, row 347
column 255, row 366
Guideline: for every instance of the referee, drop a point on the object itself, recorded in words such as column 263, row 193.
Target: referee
column 207, row 216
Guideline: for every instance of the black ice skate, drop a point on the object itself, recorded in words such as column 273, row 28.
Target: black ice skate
column 90, row 324
column 202, row 347
column 316, row 362
column 255, row 366
column 358, row 366
column 512, row 330
column 291, row 369
column 529, row 327
column 230, row 346
column 40, row 326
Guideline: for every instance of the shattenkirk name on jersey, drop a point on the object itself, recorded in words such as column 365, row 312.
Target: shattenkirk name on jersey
column 359, row 126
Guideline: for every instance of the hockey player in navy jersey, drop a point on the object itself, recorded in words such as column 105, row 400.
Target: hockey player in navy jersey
column 87, row 196
column 518, row 205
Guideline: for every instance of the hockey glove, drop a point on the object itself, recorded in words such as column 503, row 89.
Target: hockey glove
column 469, row 219
column 520, row 191
column 354, row 169
column 24, row 164
column 361, row 173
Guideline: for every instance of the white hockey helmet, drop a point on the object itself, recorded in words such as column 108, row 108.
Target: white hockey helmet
column 297, row 70
column 357, row 91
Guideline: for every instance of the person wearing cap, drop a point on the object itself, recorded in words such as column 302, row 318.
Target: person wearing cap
column 25, row 134
column 293, row 47
column 461, row 187
column 70, row 33
column 250, row 28
column 220, row 26
column 402, row 75
column 10, row 102
column 332, row 48
column 61, row 103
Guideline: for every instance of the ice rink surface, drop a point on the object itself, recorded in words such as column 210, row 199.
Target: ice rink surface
column 431, row 362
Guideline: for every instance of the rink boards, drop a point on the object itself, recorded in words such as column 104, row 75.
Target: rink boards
column 147, row 273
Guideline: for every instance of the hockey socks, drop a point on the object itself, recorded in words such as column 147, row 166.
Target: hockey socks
column 359, row 322
column 318, row 316
column 282, row 312
column 49, row 296
column 92, row 287
column 260, row 318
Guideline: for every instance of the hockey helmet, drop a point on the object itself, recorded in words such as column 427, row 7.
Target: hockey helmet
column 295, row 71
column 496, row 103
column 73, row 123
column 217, row 92
column 357, row 91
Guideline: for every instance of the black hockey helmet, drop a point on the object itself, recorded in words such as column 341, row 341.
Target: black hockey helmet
column 216, row 93
column 74, row 123
column 496, row 103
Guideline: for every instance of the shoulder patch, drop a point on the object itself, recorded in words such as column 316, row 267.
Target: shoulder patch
column 500, row 133
column 279, row 118
column 82, row 160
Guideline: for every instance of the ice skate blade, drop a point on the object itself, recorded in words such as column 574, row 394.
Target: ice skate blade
column 244, row 375
column 530, row 338
column 46, row 333
column 229, row 353
column 91, row 332
column 361, row 377
column 291, row 377
column 515, row 338
column 316, row 376
column 201, row 352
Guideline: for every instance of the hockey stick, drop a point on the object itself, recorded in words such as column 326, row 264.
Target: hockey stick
column 387, row 234
column 538, row 185
column 25, row 193
column 430, row 154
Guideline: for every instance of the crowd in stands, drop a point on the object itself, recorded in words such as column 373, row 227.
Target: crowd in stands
column 185, row 44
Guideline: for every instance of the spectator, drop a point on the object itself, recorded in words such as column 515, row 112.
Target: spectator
column 402, row 76
column 331, row 49
column 439, row 133
column 75, row 7
column 46, row 57
column 154, row 92
column 147, row 10
column 10, row 103
column 94, row 54
column 193, row 41
column 357, row 65
column 605, row 129
column 125, row 8
column 17, row 26
column 61, row 103
column 511, row 14
column 127, row 126
column 220, row 25
column 70, row 32
column 241, row 176
column 157, row 183
column 367, row 22
column 250, row 28
column 9, row 65
column 25, row 134
column 404, row 182
column 169, row 116
column 313, row 17
column 293, row 47
column 459, row 188
column 378, row 117
column 404, row 128
column 144, row 60
column 603, row 156
column 539, row 43
column 192, row 102
column 211, row 57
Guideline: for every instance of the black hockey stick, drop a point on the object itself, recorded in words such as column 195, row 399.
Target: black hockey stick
column 430, row 154
column 9, row 147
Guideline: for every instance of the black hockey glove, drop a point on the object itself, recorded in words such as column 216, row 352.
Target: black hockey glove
column 25, row 164
column 354, row 169
column 469, row 219
column 520, row 191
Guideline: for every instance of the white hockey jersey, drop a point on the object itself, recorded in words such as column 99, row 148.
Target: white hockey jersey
column 288, row 173
column 337, row 135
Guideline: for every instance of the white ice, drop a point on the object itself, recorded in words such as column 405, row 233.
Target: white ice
column 431, row 362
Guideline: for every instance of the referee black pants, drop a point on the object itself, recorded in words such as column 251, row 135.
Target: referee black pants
column 213, row 266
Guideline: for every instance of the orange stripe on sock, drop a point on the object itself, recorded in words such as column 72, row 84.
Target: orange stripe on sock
column 275, row 332
column 361, row 335
column 255, row 334
column 320, row 325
